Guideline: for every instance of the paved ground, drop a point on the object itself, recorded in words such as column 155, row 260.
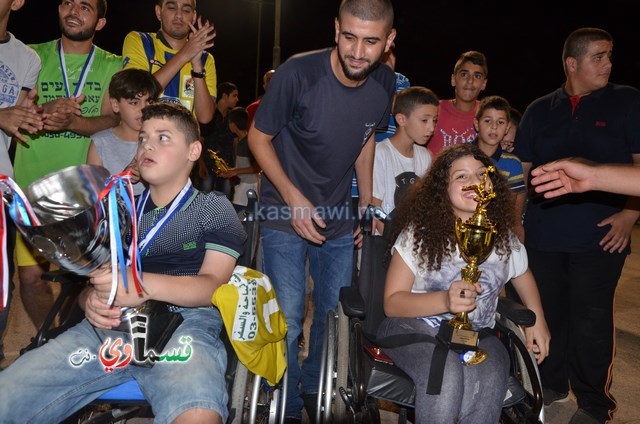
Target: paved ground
column 626, row 380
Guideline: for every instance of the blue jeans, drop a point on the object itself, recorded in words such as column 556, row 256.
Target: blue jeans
column 331, row 264
column 44, row 385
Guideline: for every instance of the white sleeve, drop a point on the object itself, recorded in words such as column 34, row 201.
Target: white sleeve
column 31, row 78
column 519, row 261
column 379, row 173
column 404, row 247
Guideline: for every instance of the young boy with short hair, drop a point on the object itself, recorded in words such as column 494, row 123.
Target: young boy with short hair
column 189, row 243
column 402, row 158
column 130, row 91
column 245, row 168
column 492, row 122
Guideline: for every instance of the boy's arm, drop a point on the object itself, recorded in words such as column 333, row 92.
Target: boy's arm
column 65, row 115
column 364, row 171
column 93, row 158
column 187, row 291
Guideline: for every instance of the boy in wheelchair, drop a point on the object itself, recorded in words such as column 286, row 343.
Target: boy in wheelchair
column 423, row 281
column 190, row 242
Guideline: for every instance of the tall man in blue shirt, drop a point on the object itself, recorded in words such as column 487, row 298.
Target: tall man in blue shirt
column 314, row 125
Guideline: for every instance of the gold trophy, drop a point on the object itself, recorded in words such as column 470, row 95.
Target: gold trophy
column 219, row 163
column 475, row 239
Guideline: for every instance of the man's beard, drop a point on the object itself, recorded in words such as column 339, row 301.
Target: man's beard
column 83, row 35
column 356, row 76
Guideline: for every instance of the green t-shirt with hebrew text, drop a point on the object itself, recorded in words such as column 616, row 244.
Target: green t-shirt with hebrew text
column 48, row 152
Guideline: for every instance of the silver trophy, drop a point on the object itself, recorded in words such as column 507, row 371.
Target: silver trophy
column 73, row 231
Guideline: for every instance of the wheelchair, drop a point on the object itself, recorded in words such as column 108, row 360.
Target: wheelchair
column 251, row 399
column 356, row 375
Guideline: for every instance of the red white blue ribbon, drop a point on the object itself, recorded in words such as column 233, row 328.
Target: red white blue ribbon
column 4, row 265
column 120, row 186
column 21, row 212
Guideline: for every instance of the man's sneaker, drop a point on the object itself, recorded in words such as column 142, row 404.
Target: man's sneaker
column 550, row 396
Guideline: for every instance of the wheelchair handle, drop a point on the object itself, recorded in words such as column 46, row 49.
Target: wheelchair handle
column 373, row 211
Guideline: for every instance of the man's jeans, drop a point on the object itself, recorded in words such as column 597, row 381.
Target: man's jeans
column 331, row 268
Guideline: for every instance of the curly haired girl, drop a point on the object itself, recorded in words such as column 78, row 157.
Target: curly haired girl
column 423, row 281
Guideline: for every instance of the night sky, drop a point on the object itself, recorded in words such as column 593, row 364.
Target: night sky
column 523, row 47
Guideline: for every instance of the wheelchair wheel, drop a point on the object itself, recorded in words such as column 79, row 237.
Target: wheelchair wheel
column 238, row 395
column 253, row 401
column 342, row 365
column 334, row 369
column 525, row 370
column 323, row 414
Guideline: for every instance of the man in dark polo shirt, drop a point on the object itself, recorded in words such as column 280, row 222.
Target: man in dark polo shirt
column 577, row 244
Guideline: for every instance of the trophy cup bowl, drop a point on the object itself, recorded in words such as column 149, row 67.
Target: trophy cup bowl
column 74, row 227
column 74, row 232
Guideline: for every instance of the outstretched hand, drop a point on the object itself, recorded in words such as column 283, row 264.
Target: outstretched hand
column 571, row 175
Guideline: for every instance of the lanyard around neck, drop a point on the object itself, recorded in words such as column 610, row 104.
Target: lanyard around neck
column 83, row 74
column 176, row 205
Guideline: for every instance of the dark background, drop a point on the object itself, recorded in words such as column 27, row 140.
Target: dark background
column 522, row 41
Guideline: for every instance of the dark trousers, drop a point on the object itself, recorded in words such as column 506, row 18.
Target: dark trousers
column 577, row 291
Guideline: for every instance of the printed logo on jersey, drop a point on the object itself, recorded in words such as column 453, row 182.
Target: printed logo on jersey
column 403, row 182
column 9, row 86
column 369, row 129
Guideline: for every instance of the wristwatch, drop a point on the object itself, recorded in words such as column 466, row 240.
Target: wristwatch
column 195, row 74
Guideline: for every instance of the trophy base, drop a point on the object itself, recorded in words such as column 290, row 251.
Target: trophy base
column 159, row 326
column 458, row 339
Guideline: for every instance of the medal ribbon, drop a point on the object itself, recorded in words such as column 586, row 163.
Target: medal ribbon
column 176, row 205
column 120, row 185
column 83, row 74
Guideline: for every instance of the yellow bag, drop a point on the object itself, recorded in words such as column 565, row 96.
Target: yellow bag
column 254, row 322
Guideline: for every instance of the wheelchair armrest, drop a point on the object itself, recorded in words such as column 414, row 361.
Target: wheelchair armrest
column 351, row 301
column 516, row 312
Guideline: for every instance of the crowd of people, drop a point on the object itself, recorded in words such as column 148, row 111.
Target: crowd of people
column 337, row 129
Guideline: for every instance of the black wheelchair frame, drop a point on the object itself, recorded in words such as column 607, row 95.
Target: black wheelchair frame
column 355, row 373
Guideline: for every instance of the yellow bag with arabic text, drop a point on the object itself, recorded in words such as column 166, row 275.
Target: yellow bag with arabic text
column 254, row 322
